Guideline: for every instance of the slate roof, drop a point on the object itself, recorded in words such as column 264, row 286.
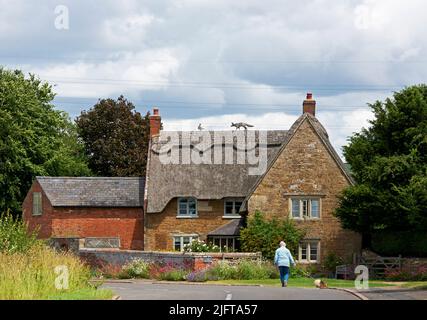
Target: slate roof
column 202, row 181
column 230, row 229
column 93, row 191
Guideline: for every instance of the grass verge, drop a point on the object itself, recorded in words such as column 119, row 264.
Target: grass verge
column 302, row 283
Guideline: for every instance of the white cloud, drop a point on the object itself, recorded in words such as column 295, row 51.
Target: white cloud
column 339, row 125
column 249, row 58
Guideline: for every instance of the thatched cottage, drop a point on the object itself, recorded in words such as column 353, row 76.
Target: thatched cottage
column 202, row 185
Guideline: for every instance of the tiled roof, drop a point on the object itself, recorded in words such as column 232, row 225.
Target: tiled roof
column 230, row 229
column 93, row 191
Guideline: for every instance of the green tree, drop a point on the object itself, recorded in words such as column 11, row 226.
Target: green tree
column 115, row 137
column 263, row 235
column 35, row 139
column 389, row 163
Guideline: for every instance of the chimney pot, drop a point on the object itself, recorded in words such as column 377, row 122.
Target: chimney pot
column 309, row 105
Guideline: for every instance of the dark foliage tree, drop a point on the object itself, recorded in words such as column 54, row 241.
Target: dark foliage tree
column 389, row 163
column 35, row 139
column 115, row 138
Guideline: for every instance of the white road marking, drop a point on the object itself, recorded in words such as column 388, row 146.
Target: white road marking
column 228, row 296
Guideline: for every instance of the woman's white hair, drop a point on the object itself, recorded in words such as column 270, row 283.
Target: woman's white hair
column 282, row 244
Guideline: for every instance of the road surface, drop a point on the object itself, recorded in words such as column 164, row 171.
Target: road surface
column 145, row 290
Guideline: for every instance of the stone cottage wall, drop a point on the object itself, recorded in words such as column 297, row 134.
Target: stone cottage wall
column 161, row 227
column 306, row 168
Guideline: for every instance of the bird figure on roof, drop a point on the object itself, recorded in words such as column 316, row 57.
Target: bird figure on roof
column 200, row 128
column 239, row 125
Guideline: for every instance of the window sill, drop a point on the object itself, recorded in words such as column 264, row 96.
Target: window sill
column 307, row 262
column 231, row 216
column 305, row 219
column 186, row 217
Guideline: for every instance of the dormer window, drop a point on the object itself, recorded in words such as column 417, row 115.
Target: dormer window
column 187, row 207
column 232, row 208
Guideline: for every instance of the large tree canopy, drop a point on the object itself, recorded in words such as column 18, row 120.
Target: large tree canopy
column 115, row 137
column 389, row 163
column 35, row 139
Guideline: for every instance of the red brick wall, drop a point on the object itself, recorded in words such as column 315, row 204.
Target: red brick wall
column 125, row 223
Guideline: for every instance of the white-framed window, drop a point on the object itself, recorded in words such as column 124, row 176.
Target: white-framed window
column 180, row 241
column 187, row 207
column 226, row 243
column 305, row 208
column 37, row 204
column 309, row 251
column 232, row 207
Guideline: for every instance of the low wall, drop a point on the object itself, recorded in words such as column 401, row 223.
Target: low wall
column 196, row 261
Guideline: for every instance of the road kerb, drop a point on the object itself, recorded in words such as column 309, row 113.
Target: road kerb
column 353, row 292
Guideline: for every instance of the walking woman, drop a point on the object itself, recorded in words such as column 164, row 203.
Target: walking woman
column 283, row 259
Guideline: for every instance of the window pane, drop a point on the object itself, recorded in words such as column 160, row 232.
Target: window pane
column 315, row 208
column 37, row 203
column 192, row 207
column 313, row 251
column 182, row 206
column 229, row 207
column 304, row 208
column 295, row 208
column 185, row 240
column 177, row 243
column 303, row 251
column 237, row 206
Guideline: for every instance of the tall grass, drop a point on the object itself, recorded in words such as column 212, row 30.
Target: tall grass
column 31, row 275
column 27, row 267
column 14, row 236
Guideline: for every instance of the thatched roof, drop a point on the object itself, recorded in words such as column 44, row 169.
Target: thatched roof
column 93, row 191
column 213, row 181
column 202, row 181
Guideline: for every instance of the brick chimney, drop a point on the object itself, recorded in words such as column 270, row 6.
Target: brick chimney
column 309, row 105
column 155, row 122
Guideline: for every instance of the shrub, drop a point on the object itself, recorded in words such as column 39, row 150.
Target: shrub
column 197, row 245
column 111, row 271
column 242, row 270
column 14, row 236
column 407, row 274
column 168, row 272
column 198, row 276
column 331, row 262
column 263, row 235
column 137, row 268
column 299, row 272
column 222, row 270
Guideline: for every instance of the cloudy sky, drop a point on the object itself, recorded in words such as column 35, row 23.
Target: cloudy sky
column 217, row 61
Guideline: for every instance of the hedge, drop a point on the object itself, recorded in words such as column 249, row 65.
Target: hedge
column 407, row 244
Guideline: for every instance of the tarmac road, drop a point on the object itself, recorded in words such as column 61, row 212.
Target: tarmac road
column 145, row 290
